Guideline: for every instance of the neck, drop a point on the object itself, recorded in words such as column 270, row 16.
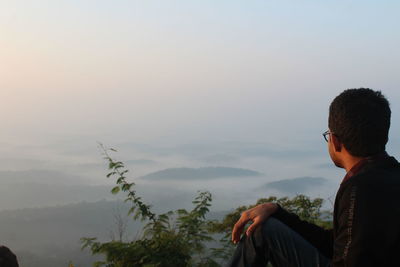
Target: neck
column 350, row 162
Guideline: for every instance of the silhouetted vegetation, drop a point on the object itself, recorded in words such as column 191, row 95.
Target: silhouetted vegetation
column 180, row 237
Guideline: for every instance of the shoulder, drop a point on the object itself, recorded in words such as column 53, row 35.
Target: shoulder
column 372, row 189
column 373, row 177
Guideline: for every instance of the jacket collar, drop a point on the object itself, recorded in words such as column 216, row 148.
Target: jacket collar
column 363, row 164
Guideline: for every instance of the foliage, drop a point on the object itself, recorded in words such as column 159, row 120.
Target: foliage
column 178, row 238
column 170, row 239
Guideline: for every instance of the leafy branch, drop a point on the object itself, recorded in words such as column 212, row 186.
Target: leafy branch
column 174, row 238
column 118, row 170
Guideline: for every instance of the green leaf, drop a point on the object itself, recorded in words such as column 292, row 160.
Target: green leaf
column 115, row 190
column 110, row 174
column 126, row 187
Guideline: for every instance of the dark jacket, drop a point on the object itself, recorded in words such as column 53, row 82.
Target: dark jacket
column 366, row 219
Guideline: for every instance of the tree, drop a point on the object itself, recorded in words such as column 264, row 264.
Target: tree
column 177, row 238
column 121, row 224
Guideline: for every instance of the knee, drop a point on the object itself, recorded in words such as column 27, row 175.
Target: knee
column 271, row 227
column 265, row 232
column 271, row 222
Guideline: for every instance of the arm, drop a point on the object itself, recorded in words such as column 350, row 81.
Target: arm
column 319, row 237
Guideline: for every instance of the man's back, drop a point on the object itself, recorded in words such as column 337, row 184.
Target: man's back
column 367, row 216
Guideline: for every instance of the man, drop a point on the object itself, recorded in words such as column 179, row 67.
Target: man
column 366, row 220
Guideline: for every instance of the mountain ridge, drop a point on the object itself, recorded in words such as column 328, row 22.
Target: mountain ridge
column 185, row 173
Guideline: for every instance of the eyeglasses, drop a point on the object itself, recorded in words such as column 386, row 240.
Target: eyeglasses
column 325, row 134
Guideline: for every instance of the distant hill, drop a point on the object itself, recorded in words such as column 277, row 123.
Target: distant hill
column 49, row 237
column 200, row 173
column 296, row 185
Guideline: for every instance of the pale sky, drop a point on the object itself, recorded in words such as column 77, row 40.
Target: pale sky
column 185, row 71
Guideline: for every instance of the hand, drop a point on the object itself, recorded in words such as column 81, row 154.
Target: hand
column 257, row 215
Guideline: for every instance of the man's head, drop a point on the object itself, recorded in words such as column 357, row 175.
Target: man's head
column 360, row 119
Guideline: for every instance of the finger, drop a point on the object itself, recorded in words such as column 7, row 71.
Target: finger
column 253, row 226
column 238, row 229
column 236, row 232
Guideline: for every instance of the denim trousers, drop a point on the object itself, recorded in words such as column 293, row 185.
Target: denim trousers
column 275, row 243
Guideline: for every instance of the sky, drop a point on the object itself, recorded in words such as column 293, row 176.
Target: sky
column 175, row 72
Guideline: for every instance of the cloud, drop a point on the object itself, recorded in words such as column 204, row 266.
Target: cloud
column 219, row 158
column 296, row 185
column 49, row 177
column 228, row 151
column 140, row 162
column 199, row 173
column 325, row 165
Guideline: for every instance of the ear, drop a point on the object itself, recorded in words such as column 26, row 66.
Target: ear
column 336, row 143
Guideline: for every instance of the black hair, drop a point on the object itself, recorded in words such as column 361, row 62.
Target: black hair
column 360, row 119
